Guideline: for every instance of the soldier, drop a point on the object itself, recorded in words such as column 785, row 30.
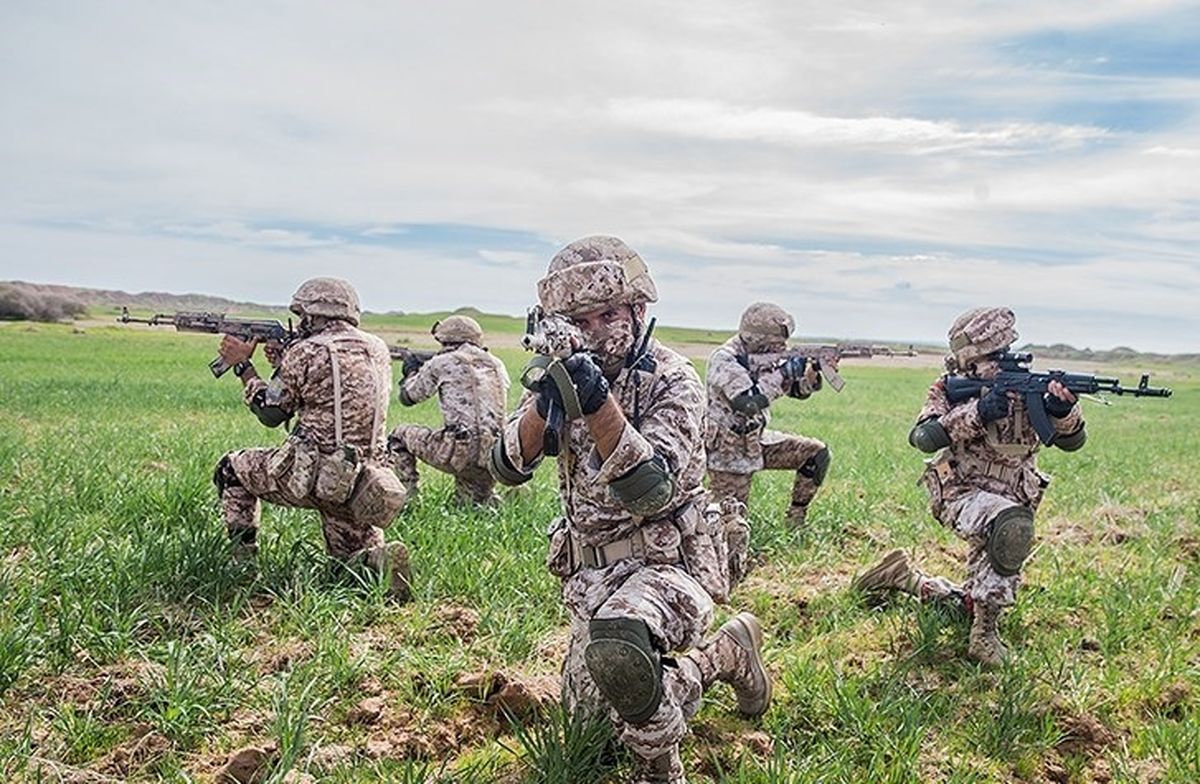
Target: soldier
column 639, row 568
column 336, row 380
column 472, row 389
column 984, row 484
column 740, row 391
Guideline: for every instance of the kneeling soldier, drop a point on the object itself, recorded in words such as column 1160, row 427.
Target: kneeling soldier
column 472, row 388
column 740, row 391
column 984, row 483
column 336, row 380
column 639, row 565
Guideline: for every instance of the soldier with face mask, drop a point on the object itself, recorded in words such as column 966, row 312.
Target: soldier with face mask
column 984, row 483
column 740, row 392
column 639, row 563
column 335, row 382
column 472, row 388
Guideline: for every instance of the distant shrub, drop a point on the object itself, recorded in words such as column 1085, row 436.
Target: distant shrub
column 22, row 305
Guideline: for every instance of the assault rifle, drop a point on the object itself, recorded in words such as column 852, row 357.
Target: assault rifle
column 823, row 357
column 258, row 330
column 1015, row 376
column 408, row 355
column 554, row 339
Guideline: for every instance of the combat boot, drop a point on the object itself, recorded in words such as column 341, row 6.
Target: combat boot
column 663, row 769
column 985, row 646
column 391, row 561
column 734, row 656
column 893, row 573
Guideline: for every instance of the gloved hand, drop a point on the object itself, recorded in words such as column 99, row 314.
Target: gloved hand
column 793, row 368
column 994, row 405
column 411, row 365
column 1056, row 406
column 590, row 385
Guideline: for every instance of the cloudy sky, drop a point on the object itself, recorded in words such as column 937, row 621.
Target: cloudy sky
column 875, row 167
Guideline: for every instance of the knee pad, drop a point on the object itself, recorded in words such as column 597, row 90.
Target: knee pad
column 1010, row 540
column 625, row 666
column 224, row 476
column 817, row 466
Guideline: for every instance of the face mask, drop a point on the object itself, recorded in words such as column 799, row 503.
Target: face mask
column 611, row 344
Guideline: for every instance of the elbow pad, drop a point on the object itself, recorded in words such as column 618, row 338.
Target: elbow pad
column 1073, row 441
column 750, row 403
column 502, row 468
column 646, row 489
column 271, row 416
column 929, row 436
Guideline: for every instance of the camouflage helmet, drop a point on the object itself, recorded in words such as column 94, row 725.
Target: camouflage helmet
column 329, row 297
column 593, row 272
column 980, row 332
column 454, row 330
column 765, row 322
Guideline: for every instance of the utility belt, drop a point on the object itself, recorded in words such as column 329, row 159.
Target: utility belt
column 633, row 546
column 684, row 537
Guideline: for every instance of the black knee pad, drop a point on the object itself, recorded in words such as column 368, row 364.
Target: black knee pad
column 625, row 666
column 817, row 466
column 224, row 476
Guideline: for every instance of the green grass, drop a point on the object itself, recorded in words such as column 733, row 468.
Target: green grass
column 133, row 647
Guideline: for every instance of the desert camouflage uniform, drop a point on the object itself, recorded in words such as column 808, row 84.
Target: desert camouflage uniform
column 303, row 386
column 472, row 389
column 670, row 585
column 740, row 445
column 984, row 470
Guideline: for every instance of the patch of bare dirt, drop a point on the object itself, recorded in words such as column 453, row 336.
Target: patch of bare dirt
column 248, row 765
column 133, row 755
column 1085, row 735
column 108, row 690
column 368, row 711
column 510, row 696
column 280, row 656
column 459, row 622
column 1174, row 700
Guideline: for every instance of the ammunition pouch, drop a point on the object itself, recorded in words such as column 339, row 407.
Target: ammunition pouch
column 625, row 666
column 337, row 474
column 1010, row 540
column 378, row 496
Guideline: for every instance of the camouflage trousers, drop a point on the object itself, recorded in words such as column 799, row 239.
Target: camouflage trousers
column 970, row 517
column 677, row 611
column 460, row 453
column 240, row 505
column 780, row 451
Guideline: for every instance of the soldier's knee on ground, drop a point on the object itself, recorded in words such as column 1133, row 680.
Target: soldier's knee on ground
column 625, row 666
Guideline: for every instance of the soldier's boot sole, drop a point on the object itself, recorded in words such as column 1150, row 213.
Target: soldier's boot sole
column 885, row 575
column 746, row 632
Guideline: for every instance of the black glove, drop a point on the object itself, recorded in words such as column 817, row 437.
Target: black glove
column 992, row 406
column 793, row 368
column 750, row 403
column 590, row 386
column 590, row 383
column 411, row 365
column 1056, row 406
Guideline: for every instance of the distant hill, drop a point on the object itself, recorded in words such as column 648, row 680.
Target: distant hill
column 1120, row 354
column 105, row 299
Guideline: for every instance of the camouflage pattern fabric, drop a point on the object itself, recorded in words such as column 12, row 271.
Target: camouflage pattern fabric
column 986, row 468
column 665, row 412
column 303, row 386
column 472, row 388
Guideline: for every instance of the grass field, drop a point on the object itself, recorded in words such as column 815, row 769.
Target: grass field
column 133, row 648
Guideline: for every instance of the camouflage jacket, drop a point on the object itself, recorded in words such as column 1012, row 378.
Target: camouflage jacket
column 303, row 385
column 471, row 385
column 999, row 457
column 734, row 440
column 665, row 413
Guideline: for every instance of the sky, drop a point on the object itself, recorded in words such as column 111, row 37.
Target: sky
column 874, row 168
